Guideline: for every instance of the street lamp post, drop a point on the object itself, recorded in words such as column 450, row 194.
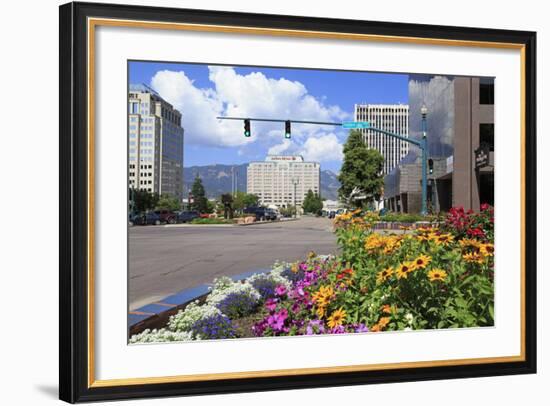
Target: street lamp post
column 295, row 182
column 424, row 149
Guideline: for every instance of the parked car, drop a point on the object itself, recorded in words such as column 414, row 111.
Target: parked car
column 145, row 219
column 166, row 216
column 187, row 216
column 261, row 213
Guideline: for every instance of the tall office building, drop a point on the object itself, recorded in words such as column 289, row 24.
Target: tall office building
column 283, row 181
column 389, row 117
column 461, row 143
column 155, row 144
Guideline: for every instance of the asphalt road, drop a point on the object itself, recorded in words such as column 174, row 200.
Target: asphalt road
column 167, row 259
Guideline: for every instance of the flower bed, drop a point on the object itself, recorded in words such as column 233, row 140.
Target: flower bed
column 426, row 278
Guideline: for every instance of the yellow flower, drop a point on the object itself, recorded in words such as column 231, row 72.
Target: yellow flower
column 384, row 275
column 474, row 257
column 373, row 242
column 294, row 268
column 422, row 261
column 444, row 239
column 469, row 243
column 424, row 236
column 405, row 269
column 320, row 312
column 337, row 318
column 487, row 250
column 437, row 274
column 323, row 295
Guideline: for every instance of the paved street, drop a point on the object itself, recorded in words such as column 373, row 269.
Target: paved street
column 166, row 260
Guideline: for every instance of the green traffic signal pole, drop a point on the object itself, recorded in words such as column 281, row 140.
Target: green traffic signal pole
column 422, row 144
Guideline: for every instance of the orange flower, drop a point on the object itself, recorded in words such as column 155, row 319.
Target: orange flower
column 383, row 322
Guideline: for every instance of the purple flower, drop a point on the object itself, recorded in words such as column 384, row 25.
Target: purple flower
column 338, row 330
column 276, row 321
column 360, row 328
column 315, row 327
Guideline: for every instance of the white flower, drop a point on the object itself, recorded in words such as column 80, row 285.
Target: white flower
column 159, row 336
column 218, row 295
column 410, row 318
column 184, row 320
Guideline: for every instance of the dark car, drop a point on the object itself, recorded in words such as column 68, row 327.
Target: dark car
column 187, row 216
column 145, row 219
column 261, row 213
column 166, row 216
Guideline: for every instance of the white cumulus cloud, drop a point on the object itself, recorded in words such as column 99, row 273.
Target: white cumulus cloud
column 322, row 149
column 251, row 95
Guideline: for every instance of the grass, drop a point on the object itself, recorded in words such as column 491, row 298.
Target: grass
column 211, row 221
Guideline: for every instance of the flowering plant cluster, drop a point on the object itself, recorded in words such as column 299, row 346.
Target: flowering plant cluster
column 467, row 223
column 160, row 336
column 426, row 278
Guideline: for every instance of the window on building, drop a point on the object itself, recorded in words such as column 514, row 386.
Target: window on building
column 486, row 91
column 487, row 135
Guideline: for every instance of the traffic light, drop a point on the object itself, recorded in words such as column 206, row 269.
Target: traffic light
column 430, row 166
column 247, row 128
column 287, row 129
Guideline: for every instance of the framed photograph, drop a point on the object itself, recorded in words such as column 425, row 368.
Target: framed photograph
column 257, row 202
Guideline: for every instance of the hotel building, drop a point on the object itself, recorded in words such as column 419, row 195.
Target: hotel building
column 389, row 117
column 283, row 181
column 155, row 143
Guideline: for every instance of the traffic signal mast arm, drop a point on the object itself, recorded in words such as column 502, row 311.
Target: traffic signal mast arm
column 274, row 120
column 422, row 143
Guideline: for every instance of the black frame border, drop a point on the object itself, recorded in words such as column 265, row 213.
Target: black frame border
column 73, row 201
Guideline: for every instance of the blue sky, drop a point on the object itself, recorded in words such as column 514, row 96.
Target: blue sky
column 201, row 92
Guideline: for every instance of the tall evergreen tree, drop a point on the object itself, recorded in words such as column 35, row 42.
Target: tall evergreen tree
column 200, row 202
column 361, row 171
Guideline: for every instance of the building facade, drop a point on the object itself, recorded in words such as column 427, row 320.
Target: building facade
column 388, row 117
column 282, row 180
column 155, row 143
column 460, row 124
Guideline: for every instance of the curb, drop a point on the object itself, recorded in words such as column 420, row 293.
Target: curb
column 156, row 314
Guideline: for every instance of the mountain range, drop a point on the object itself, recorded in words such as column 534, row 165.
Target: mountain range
column 218, row 179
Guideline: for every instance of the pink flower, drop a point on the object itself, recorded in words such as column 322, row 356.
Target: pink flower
column 280, row 290
column 271, row 304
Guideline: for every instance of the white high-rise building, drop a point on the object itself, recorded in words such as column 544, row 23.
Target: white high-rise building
column 283, row 180
column 155, row 143
column 389, row 117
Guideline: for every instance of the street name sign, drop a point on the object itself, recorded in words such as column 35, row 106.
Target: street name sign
column 356, row 124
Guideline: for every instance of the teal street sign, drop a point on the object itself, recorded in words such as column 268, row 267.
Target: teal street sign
column 355, row 124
